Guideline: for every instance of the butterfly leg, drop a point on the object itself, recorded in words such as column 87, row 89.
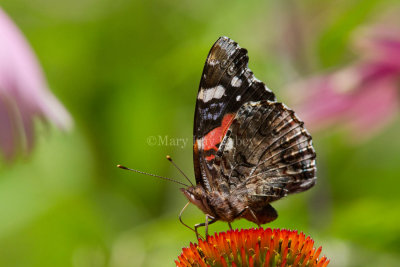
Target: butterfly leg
column 205, row 224
column 180, row 219
column 230, row 226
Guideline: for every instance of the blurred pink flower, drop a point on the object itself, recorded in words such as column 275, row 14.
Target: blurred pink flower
column 364, row 96
column 24, row 93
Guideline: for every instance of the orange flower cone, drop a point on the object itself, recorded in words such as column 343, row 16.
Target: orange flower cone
column 253, row 247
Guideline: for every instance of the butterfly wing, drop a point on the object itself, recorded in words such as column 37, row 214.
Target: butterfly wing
column 266, row 153
column 226, row 84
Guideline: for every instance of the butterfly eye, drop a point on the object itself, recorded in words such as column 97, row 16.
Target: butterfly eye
column 193, row 198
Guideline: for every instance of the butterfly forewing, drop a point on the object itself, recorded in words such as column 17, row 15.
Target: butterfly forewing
column 226, row 84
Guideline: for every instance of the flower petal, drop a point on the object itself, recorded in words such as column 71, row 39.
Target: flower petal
column 24, row 92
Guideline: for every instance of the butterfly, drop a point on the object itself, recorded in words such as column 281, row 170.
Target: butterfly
column 248, row 149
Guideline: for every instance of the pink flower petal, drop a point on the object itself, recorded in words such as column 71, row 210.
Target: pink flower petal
column 363, row 97
column 380, row 42
column 24, row 92
column 375, row 108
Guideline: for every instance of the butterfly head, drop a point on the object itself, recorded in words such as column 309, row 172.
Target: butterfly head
column 197, row 196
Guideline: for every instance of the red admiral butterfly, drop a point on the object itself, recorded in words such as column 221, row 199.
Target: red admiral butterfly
column 249, row 150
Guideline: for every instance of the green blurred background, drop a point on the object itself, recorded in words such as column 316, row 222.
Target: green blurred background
column 128, row 70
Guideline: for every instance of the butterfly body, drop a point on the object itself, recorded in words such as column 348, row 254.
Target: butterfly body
column 249, row 150
column 229, row 207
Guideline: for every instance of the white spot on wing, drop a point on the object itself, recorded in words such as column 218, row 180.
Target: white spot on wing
column 267, row 89
column 229, row 144
column 213, row 62
column 220, row 91
column 211, row 93
column 256, row 80
column 236, row 82
column 238, row 98
column 199, row 143
column 208, row 95
column 200, row 95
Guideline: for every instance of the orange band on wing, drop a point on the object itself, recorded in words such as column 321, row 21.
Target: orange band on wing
column 211, row 157
column 214, row 137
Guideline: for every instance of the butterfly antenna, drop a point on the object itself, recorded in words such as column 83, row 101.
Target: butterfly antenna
column 154, row 175
column 176, row 166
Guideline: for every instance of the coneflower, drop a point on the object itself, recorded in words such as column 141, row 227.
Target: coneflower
column 253, row 247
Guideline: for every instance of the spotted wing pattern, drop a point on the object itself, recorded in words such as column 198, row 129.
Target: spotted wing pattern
column 226, row 84
column 266, row 153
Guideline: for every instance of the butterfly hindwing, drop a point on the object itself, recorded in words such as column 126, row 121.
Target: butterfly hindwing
column 226, row 84
column 266, row 152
